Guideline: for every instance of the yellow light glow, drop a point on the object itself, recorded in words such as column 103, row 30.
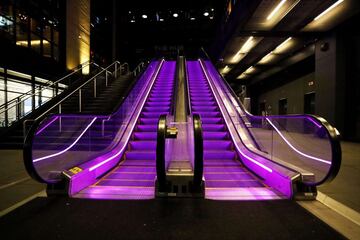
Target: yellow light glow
column 284, row 45
column 250, row 70
column 242, row 76
column 245, row 48
column 225, row 70
column 32, row 42
column 267, row 58
column 328, row 10
column 276, row 9
column 84, row 50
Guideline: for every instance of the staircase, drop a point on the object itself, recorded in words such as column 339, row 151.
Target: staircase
column 105, row 102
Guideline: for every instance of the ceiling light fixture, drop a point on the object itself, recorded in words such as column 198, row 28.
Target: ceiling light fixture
column 246, row 47
column 206, row 14
column 225, row 70
column 249, row 70
column 161, row 19
column 175, row 15
column 266, row 59
column 276, row 9
column 144, row 16
column 192, row 18
column 242, row 76
column 328, row 10
column 283, row 44
column 132, row 20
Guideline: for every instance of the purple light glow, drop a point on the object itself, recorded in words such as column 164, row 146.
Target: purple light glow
column 293, row 148
column 239, row 150
column 132, row 128
column 66, row 149
column 43, row 128
column 314, row 122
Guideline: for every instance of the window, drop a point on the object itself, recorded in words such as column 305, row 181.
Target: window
column 16, row 88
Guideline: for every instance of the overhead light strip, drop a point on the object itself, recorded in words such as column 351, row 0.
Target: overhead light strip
column 283, row 43
column 276, row 9
column 246, row 47
column 328, row 10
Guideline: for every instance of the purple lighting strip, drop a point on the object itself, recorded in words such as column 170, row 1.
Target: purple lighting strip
column 68, row 148
column 232, row 136
column 132, row 128
column 295, row 149
column 314, row 122
column 43, row 128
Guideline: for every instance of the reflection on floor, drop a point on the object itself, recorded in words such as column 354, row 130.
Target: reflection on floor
column 15, row 185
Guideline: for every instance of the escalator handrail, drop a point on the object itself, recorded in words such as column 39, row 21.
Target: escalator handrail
column 28, row 141
column 331, row 131
column 198, row 150
column 175, row 87
column 187, row 89
column 160, row 153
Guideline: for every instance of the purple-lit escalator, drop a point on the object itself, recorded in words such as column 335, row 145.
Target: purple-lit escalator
column 135, row 175
column 225, row 176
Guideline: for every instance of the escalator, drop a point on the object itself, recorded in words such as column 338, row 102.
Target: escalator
column 136, row 173
column 224, row 175
column 221, row 149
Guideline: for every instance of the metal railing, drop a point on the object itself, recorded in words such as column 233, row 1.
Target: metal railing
column 100, row 79
column 16, row 105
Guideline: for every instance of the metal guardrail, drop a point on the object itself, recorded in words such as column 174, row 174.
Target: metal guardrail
column 16, row 105
column 115, row 69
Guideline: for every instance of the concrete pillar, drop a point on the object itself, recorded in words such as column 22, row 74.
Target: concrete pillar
column 77, row 33
column 330, row 80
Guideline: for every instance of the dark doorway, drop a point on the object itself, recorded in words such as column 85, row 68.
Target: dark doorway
column 309, row 103
column 283, row 106
column 262, row 108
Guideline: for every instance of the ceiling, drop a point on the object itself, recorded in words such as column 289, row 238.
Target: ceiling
column 146, row 29
column 265, row 32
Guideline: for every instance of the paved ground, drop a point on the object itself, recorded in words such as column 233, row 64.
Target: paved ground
column 16, row 185
column 346, row 186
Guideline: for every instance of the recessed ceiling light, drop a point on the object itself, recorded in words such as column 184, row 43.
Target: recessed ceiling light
column 175, row 15
column 211, row 17
column 276, row 9
column 144, row 16
column 245, row 48
column 328, row 10
column 192, row 18
column 206, row 14
column 161, row 19
column 132, row 20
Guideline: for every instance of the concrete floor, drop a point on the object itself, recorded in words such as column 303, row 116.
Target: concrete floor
column 16, row 185
column 345, row 188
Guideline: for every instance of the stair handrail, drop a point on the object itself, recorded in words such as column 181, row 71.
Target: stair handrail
column 16, row 102
column 50, row 83
column 79, row 88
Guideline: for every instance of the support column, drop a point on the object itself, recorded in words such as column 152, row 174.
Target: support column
column 330, row 80
column 77, row 33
